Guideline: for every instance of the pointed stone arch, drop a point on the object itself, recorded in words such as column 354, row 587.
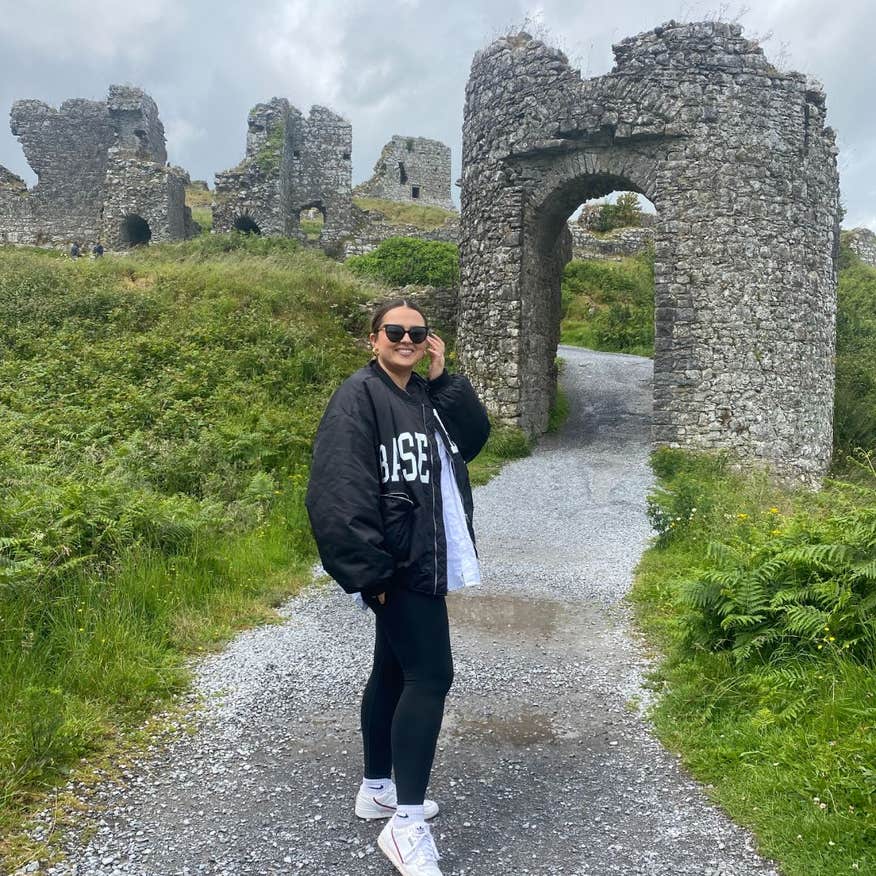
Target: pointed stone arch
column 738, row 162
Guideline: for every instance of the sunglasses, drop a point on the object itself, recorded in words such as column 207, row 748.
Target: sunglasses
column 417, row 333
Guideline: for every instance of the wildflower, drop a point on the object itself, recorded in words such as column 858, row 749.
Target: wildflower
column 742, row 517
column 775, row 532
column 774, row 510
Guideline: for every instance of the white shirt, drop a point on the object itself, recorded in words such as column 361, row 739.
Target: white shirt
column 462, row 561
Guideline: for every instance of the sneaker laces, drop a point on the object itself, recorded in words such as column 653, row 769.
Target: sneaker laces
column 423, row 846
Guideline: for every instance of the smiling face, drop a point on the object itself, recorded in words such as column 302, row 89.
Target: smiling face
column 399, row 357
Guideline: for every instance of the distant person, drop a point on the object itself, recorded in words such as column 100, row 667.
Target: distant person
column 391, row 506
column 75, row 250
column 97, row 250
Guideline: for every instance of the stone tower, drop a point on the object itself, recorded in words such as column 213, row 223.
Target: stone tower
column 737, row 159
column 411, row 169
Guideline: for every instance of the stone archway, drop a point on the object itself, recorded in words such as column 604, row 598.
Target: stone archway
column 245, row 224
column 737, row 160
column 135, row 231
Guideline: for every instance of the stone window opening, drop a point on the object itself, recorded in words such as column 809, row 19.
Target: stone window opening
column 402, row 173
column 345, row 156
column 415, row 192
column 246, row 225
column 296, row 153
column 135, row 231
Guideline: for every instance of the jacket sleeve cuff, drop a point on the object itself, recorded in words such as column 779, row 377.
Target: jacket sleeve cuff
column 442, row 380
column 377, row 588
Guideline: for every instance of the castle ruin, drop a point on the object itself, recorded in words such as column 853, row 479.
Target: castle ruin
column 292, row 164
column 411, row 169
column 102, row 175
column 738, row 161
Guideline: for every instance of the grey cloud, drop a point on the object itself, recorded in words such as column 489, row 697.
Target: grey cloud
column 389, row 67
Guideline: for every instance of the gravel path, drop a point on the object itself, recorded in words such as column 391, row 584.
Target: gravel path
column 544, row 767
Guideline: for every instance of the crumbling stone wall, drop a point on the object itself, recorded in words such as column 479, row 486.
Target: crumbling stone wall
column 292, row 164
column 90, row 158
column 411, row 169
column 620, row 242
column 370, row 228
column 250, row 192
column 737, row 159
column 862, row 242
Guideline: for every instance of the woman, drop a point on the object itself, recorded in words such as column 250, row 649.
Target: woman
column 391, row 509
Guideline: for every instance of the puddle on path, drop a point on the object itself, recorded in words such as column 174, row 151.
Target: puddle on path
column 516, row 730
column 528, row 620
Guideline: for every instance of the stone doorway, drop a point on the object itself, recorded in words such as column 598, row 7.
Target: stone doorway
column 246, row 225
column 135, row 231
column 737, row 159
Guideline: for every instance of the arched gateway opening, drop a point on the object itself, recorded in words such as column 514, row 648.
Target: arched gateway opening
column 246, row 225
column 135, row 231
column 741, row 169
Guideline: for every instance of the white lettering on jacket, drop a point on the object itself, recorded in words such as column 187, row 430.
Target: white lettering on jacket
column 410, row 458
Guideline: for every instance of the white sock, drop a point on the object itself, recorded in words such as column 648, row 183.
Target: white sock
column 375, row 785
column 405, row 815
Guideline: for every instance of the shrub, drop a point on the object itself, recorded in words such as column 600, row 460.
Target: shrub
column 626, row 211
column 400, row 261
column 855, row 400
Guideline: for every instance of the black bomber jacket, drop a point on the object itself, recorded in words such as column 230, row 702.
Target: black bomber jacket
column 374, row 497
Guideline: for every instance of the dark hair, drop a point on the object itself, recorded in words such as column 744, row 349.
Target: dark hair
column 377, row 316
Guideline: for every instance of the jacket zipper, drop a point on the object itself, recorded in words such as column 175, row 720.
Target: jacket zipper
column 434, row 519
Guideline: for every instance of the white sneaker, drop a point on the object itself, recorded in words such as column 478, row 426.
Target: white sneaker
column 382, row 804
column 411, row 849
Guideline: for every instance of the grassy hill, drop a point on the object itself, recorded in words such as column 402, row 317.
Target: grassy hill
column 422, row 216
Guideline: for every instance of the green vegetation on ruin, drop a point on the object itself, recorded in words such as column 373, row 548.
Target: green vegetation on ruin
column 423, row 216
column 400, row 261
column 157, row 417
column 855, row 405
column 268, row 158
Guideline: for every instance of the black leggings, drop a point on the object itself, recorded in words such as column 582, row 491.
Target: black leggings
column 403, row 703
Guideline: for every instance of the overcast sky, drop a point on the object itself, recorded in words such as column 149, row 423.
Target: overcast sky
column 389, row 66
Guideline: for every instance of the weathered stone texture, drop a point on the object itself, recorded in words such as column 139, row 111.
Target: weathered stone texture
column 411, row 169
column 370, row 228
column 862, row 242
column 737, row 160
column 80, row 192
column 292, row 164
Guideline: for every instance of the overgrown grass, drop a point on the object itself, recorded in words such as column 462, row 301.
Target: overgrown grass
column 200, row 201
column 764, row 602
column 505, row 443
column 609, row 305
column 157, row 415
column 421, row 216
